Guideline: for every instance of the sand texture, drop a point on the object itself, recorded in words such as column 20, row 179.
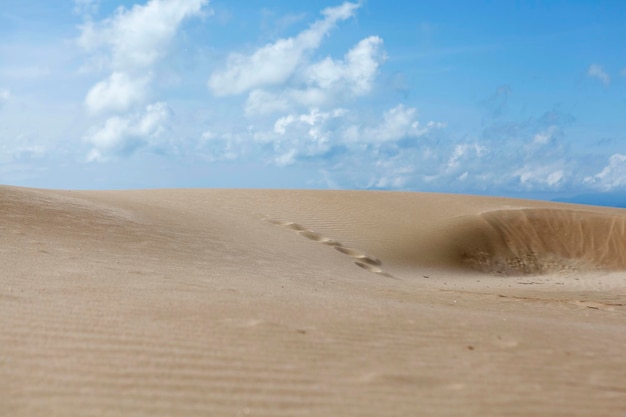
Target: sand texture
column 309, row 303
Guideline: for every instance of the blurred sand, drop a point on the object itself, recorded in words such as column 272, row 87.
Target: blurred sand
column 306, row 303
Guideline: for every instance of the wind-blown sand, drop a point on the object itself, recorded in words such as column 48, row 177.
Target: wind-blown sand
column 299, row 303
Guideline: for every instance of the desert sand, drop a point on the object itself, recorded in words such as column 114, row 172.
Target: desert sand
column 309, row 303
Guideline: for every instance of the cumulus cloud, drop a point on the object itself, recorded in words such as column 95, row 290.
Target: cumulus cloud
column 261, row 102
column 545, row 136
column 136, row 38
column 309, row 134
column 21, row 148
column 533, row 175
column 317, row 132
column 612, row 176
column 461, row 153
column 117, row 93
column 596, row 71
column 398, row 123
column 333, row 136
column 355, row 72
column 284, row 76
column 274, row 63
column 323, row 83
column 125, row 134
column 130, row 43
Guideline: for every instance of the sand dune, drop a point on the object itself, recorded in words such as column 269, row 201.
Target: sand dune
column 268, row 302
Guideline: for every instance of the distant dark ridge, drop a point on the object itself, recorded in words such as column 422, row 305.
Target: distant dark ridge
column 616, row 199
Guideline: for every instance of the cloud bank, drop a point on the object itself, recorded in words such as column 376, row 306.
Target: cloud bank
column 327, row 94
column 129, row 44
column 303, row 108
column 291, row 104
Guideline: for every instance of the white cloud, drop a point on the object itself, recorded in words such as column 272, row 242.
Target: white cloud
column 283, row 75
column 274, row 63
column 309, row 134
column 329, row 80
column 137, row 37
column 20, row 148
column 287, row 158
column 117, row 93
column 281, row 125
column 623, row 72
column 124, row 134
column 545, row 136
column 262, row 102
column 326, row 129
column 355, row 72
column 540, row 175
column 323, row 83
column 596, row 71
column 612, row 175
column 398, row 123
column 464, row 151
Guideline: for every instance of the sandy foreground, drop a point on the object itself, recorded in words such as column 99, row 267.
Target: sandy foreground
column 309, row 303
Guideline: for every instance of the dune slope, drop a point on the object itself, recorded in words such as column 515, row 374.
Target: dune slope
column 268, row 302
column 532, row 241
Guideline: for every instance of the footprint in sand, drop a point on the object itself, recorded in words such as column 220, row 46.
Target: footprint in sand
column 374, row 269
column 317, row 237
column 363, row 260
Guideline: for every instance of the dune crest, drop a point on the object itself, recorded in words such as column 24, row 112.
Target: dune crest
column 540, row 240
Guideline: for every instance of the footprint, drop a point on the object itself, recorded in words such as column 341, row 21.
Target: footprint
column 288, row 225
column 374, row 269
column 317, row 237
column 359, row 255
column 295, row 226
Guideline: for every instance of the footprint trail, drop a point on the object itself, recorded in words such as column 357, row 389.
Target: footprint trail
column 362, row 259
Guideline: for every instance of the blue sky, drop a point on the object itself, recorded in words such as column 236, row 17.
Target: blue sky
column 515, row 98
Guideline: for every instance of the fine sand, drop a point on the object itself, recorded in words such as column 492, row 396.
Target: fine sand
column 309, row 303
